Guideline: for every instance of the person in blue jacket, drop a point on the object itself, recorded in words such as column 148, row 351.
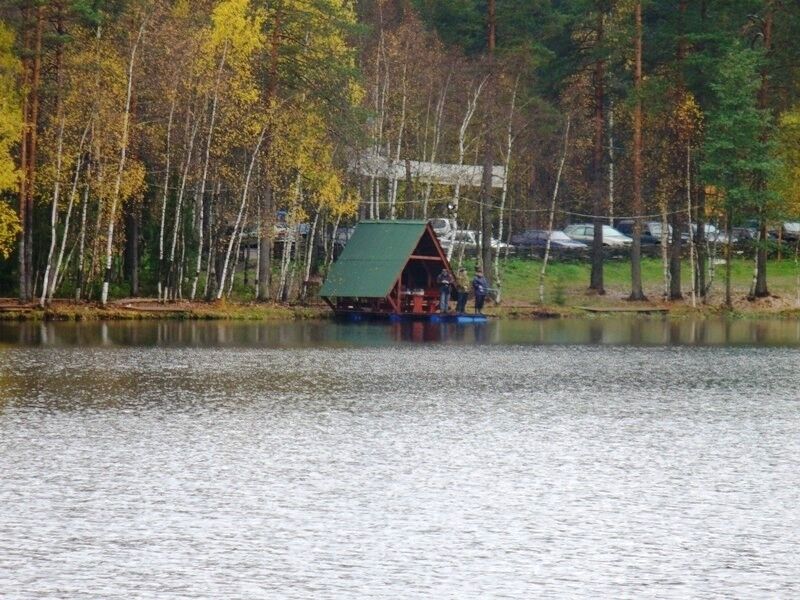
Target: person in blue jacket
column 480, row 286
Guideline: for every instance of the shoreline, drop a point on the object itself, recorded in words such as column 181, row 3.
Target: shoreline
column 144, row 309
column 140, row 309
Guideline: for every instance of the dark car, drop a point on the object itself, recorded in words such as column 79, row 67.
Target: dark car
column 537, row 238
column 745, row 234
column 651, row 231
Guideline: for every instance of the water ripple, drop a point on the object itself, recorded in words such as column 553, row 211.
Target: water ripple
column 401, row 471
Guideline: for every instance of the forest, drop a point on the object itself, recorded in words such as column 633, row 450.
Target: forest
column 146, row 146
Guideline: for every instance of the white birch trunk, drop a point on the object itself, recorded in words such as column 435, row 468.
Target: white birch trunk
column 377, row 125
column 82, row 242
column 461, row 248
column 179, row 281
column 238, row 252
column 546, row 258
column 329, row 257
column 179, row 203
column 508, row 233
column 310, row 251
column 425, row 157
column 372, row 198
column 121, row 167
column 611, row 162
column 289, row 240
column 691, row 236
column 472, row 104
column 664, row 249
column 797, row 272
column 258, row 246
column 245, row 191
column 60, row 275
column 68, row 217
column 53, row 215
column 711, row 253
column 393, row 195
column 164, row 198
column 211, row 249
column 437, row 135
column 754, row 282
column 504, row 190
column 97, row 243
column 203, row 179
column 285, row 257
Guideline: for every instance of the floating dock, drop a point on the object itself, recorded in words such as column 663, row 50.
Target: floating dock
column 389, row 270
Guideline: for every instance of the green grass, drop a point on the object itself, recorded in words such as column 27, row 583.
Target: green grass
column 570, row 280
column 566, row 287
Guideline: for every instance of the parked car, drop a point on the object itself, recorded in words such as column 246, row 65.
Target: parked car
column 342, row 235
column 281, row 228
column 651, row 231
column 713, row 235
column 744, row 234
column 790, row 231
column 441, row 227
column 470, row 240
column 584, row 232
column 537, row 238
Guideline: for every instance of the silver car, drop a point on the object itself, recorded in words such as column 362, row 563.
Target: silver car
column 441, row 227
column 470, row 240
column 584, row 232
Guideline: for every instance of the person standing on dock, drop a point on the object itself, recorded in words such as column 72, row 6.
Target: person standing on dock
column 481, row 287
column 462, row 290
column 445, row 281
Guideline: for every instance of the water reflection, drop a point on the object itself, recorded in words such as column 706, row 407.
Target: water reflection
column 625, row 331
column 555, row 459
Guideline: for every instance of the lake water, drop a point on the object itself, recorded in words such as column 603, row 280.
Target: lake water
column 616, row 458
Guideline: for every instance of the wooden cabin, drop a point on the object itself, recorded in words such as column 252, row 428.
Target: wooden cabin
column 387, row 268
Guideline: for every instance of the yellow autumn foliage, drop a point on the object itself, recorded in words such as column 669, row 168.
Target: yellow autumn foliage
column 237, row 25
column 10, row 131
column 788, row 177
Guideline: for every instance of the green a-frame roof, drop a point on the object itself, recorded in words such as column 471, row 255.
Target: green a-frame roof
column 373, row 259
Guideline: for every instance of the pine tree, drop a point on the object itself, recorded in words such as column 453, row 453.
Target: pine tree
column 738, row 156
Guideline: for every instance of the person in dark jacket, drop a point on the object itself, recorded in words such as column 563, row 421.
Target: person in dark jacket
column 445, row 281
column 481, row 287
column 462, row 290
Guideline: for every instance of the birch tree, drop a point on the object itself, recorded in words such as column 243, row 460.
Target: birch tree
column 115, row 198
column 504, row 191
column 472, row 105
column 552, row 212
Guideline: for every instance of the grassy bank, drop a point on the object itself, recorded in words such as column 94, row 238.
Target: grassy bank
column 566, row 286
column 566, row 294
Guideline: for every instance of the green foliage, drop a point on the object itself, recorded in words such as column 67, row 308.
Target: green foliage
column 326, row 85
column 95, row 12
column 738, row 151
